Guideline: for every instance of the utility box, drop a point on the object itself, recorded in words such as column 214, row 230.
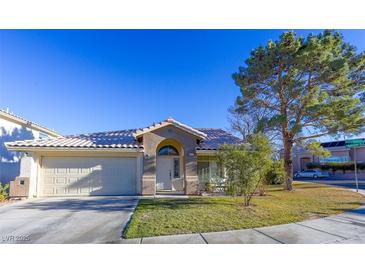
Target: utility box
column 19, row 188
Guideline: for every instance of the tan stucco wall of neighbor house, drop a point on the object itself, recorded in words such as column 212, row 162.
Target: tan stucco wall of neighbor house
column 12, row 128
column 300, row 159
column 186, row 144
column 360, row 154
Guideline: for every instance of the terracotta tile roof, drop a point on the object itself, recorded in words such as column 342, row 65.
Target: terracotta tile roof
column 123, row 139
column 217, row 137
column 111, row 139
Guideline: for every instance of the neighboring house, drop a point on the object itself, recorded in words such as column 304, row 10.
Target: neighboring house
column 14, row 128
column 339, row 154
column 165, row 157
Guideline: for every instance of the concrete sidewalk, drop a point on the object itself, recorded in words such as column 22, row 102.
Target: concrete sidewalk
column 348, row 227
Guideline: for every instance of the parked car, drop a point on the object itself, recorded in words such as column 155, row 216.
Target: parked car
column 311, row 173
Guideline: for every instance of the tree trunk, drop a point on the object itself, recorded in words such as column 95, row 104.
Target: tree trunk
column 288, row 163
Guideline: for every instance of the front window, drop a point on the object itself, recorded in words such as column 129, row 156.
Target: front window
column 203, row 172
column 209, row 172
column 168, row 150
column 176, row 168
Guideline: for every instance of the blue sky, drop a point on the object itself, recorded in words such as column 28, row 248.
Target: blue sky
column 78, row 81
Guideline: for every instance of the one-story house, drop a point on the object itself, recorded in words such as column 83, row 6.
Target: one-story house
column 15, row 128
column 165, row 157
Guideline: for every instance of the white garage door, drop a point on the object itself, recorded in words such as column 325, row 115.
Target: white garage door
column 88, row 176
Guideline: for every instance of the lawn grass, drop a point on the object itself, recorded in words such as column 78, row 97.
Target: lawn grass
column 155, row 217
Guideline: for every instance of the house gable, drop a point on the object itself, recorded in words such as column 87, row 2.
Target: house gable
column 174, row 123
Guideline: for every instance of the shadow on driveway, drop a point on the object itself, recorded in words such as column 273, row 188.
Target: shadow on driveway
column 109, row 204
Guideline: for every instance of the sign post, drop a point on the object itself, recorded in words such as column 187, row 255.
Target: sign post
column 354, row 144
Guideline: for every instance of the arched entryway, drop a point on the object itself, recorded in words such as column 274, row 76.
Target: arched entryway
column 170, row 167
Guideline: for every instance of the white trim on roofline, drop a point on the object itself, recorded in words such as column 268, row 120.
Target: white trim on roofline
column 170, row 121
column 68, row 149
column 207, row 152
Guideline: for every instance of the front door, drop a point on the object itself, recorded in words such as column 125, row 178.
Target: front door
column 164, row 173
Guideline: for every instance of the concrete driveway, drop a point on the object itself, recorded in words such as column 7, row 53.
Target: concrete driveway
column 66, row 220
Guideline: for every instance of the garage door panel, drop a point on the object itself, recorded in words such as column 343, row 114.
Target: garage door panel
column 60, row 180
column 62, row 170
column 73, row 170
column 88, row 176
column 48, row 191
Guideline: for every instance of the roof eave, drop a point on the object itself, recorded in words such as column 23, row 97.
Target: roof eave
column 207, row 151
column 70, row 149
column 23, row 122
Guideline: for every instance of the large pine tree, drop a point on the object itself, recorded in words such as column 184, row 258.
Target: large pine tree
column 308, row 87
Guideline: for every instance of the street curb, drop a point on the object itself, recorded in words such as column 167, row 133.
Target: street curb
column 127, row 222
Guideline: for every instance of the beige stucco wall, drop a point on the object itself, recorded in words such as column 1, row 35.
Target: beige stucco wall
column 29, row 171
column 184, row 142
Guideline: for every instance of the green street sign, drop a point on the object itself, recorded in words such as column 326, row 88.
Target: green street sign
column 354, row 143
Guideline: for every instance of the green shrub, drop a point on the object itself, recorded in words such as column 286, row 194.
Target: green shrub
column 276, row 173
column 246, row 165
column 234, row 190
column 3, row 192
